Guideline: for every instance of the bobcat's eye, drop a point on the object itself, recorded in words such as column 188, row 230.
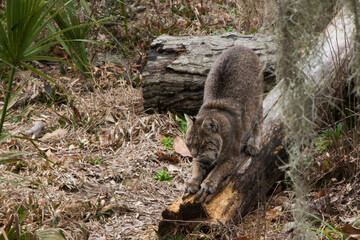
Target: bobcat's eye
column 203, row 155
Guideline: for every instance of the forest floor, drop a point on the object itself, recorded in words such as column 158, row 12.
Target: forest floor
column 92, row 172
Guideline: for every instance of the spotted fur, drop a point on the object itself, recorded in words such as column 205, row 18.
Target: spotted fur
column 229, row 119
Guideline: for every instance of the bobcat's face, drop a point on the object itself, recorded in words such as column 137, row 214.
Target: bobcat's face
column 203, row 138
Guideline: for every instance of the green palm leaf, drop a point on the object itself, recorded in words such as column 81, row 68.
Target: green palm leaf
column 20, row 42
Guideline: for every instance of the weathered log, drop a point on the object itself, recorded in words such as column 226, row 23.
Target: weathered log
column 255, row 176
column 176, row 69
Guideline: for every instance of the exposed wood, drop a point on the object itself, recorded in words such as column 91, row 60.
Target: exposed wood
column 176, row 69
column 254, row 176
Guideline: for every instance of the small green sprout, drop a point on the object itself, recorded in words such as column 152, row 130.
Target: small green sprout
column 163, row 176
column 96, row 161
column 183, row 123
column 168, row 143
column 327, row 138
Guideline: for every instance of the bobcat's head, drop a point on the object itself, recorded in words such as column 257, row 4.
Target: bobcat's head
column 203, row 138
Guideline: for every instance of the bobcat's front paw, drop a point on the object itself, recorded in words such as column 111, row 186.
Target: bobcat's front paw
column 192, row 187
column 208, row 186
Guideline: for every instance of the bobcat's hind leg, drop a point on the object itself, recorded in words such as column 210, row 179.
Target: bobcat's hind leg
column 252, row 144
column 257, row 131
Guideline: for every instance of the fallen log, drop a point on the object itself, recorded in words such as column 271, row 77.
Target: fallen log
column 256, row 175
column 176, row 69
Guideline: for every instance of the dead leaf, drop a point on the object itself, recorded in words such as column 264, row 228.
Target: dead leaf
column 57, row 134
column 75, row 110
column 46, row 148
column 349, row 229
column 173, row 168
column 167, row 157
column 320, row 194
column 354, row 237
column 242, row 238
column 113, row 137
column 109, row 118
column 116, row 207
column 180, row 147
column 51, row 156
column 273, row 213
column 102, row 38
column 281, row 199
column 349, row 220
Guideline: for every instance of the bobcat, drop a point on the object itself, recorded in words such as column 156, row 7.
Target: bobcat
column 228, row 120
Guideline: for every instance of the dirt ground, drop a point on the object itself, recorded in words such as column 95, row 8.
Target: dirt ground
column 78, row 180
column 94, row 177
column 91, row 172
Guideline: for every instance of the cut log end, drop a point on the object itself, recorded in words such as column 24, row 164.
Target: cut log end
column 181, row 216
column 185, row 215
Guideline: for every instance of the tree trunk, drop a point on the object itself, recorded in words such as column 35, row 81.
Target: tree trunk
column 176, row 69
column 254, row 177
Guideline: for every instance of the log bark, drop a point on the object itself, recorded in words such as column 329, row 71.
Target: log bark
column 176, row 69
column 254, row 176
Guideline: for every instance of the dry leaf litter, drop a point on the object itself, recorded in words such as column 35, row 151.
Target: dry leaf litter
column 92, row 172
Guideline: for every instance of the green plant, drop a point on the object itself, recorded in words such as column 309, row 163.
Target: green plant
column 328, row 138
column 105, row 214
column 71, row 39
column 183, row 123
column 327, row 229
column 223, row 6
column 168, row 143
column 96, row 161
column 216, row 32
column 179, row 236
column 12, row 99
column 228, row 29
column 14, row 231
column 163, row 176
column 24, row 22
column 125, row 19
column 9, row 157
column 51, row 96
column 20, row 42
column 51, row 234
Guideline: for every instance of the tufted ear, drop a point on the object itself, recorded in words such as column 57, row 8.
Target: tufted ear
column 211, row 124
column 189, row 121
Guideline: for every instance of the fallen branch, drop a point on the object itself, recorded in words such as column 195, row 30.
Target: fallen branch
column 177, row 67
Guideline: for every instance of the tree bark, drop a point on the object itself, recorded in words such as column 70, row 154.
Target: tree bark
column 176, row 69
column 254, row 176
